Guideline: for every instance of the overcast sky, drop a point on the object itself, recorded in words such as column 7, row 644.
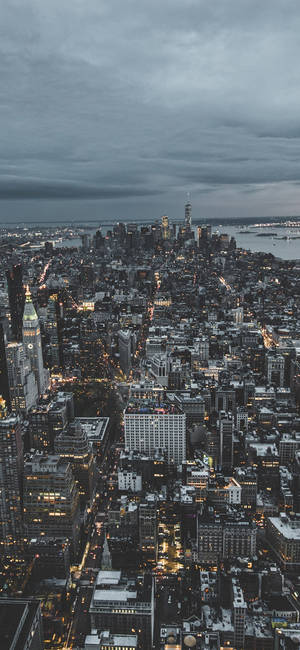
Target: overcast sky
column 117, row 108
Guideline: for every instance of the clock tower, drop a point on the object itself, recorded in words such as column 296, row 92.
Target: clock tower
column 33, row 343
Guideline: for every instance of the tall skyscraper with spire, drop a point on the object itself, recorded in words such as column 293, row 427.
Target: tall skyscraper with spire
column 33, row 343
column 188, row 213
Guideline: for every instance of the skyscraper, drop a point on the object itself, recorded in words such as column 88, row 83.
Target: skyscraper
column 239, row 615
column 22, row 382
column 11, row 459
column 226, row 429
column 51, row 329
column 91, row 349
column 51, row 499
column 33, row 343
column 188, row 213
column 4, row 385
column 125, row 350
column 16, row 297
column 165, row 227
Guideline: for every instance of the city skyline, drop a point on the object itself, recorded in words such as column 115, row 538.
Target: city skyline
column 110, row 112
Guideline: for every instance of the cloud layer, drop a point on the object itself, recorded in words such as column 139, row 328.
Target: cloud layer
column 119, row 108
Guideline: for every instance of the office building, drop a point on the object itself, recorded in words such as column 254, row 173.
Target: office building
column 33, row 344
column 219, row 538
column 129, row 481
column 48, row 419
column 225, row 429
column 107, row 641
column 11, row 461
column 148, row 523
column 51, row 331
column 275, row 369
column 21, row 624
column 247, row 479
column 149, row 427
column 91, row 349
column 239, row 616
column 16, row 297
column 221, row 490
column 98, row 432
column 123, row 518
column 241, row 418
column 4, row 383
column 125, row 350
column 160, row 368
column 124, row 605
column 51, row 499
column 288, row 445
column 85, row 239
column 73, row 446
column 51, row 556
column 21, row 378
column 192, row 406
column 165, row 229
column 283, row 535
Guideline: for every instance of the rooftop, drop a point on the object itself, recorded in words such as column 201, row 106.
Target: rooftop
column 148, row 406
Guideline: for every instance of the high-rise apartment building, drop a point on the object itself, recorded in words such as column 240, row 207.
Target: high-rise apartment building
column 149, row 427
column 16, row 297
column 33, row 343
column 11, row 459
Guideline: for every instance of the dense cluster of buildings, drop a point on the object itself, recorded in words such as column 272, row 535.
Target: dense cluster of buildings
column 172, row 519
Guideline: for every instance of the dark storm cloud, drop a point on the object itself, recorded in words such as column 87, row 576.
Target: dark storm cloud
column 34, row 188
column 143, row 101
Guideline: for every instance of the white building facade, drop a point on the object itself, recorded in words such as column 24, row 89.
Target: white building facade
column 158, row 428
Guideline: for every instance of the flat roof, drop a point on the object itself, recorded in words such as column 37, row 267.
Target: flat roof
column 288, row 528
column 108, row 577
column 94, row 428
column 16, row 618
column 114, row 595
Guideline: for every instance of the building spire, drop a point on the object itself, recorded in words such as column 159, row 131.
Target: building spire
column 106, row 562
column 29, row 310
column 28, row 294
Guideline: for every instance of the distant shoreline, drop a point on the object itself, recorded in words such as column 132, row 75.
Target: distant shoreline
column 214, row 221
